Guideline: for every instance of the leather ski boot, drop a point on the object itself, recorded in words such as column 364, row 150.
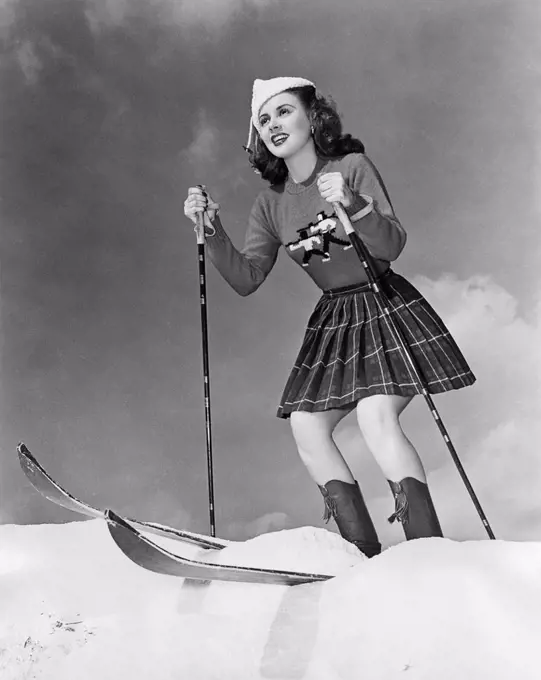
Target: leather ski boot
column 414, row 509
column 344, row 502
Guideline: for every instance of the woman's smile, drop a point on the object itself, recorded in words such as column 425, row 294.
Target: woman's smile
column 279, row 138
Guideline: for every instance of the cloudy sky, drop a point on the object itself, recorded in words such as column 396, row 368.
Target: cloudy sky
column 111, row 109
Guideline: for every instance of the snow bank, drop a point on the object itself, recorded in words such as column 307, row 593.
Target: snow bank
column 73, row 607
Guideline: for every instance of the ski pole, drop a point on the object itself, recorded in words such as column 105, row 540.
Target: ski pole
column 383, row 301
column 200, row 234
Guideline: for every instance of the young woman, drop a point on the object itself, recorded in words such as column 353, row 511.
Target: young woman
column 349, row 359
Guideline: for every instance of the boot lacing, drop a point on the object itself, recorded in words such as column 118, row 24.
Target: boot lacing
column 330, row 507
column 400, row 513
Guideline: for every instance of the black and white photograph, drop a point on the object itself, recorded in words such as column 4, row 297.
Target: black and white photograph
column 270, row 331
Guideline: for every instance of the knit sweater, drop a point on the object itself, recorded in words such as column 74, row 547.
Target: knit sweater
column 294, row 216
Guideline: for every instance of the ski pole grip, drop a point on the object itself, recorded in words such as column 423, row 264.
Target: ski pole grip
column 200, row 229
column 200, row 225
column 343, row 217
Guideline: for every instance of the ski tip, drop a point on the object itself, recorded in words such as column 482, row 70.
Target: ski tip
column 114, row 519
column 109, row 515
column 24, row 453
column 119, row 528
column 25, row 456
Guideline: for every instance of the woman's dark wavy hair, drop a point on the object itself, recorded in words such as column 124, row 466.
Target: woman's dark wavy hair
column 329, row 140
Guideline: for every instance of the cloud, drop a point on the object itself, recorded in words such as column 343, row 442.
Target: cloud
column 502, row 447
column 7, row 14
column 186, row 14
column 214, row 13
column 208, row 159
column 29, row 62
column 202, row 154
column 499, row 342
column 499, row 416
column 107, row 13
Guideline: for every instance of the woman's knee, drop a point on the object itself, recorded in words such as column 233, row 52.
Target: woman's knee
column 316, row 446
column 379, row 415
column 311, row 428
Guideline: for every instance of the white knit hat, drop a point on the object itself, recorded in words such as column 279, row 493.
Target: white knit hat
column 263, row 90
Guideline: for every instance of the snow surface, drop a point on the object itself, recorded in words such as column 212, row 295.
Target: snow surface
column 73, row 607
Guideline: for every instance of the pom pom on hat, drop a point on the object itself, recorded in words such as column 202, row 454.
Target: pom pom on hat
column 263, row 90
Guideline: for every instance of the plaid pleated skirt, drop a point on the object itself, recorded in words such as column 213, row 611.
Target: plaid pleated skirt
column 350, row 351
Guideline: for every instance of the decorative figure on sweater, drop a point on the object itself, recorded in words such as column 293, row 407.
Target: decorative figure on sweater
column 318, row 233
column 307, row 240
column 326, row 226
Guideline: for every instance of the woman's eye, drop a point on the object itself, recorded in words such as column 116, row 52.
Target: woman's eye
column 282, row 111
column 263, row 121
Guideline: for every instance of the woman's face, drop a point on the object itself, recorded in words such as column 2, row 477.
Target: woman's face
column 285, row 127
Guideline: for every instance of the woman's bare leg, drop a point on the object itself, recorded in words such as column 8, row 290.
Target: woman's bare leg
column 326, row 465
column 317, row 448
column 379, row 420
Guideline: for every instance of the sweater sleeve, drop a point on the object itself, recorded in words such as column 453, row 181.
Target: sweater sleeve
column 380, row 230
column 245, row 270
